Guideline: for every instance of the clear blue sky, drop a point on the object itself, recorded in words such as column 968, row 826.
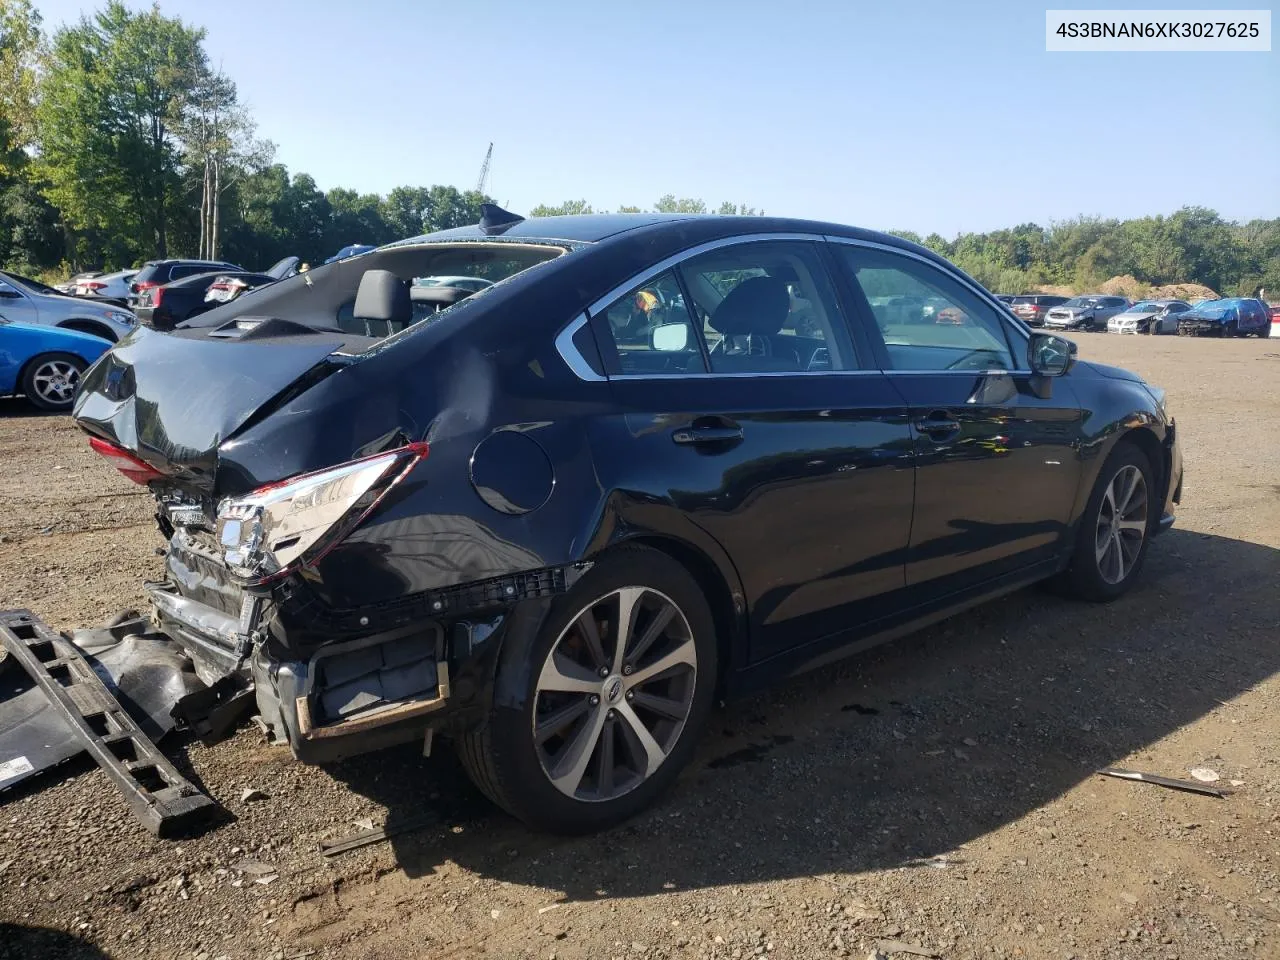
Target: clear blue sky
column 926, row 116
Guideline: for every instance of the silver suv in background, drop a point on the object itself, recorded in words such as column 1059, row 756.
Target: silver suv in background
column 1149, row 316
column 29, row 301
column 1088, row 312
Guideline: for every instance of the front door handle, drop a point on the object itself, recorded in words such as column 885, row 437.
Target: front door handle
column 937, row 425
column 718, row 433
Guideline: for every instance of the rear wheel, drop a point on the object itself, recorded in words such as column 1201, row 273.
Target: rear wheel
column 616, row 688
column 50, row 380
column 1111, row 545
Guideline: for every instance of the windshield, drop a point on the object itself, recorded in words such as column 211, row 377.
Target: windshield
column 33, row 285
column 1213, row 309
column 324, row 297
column 1146, row 306
column 283, row 268
column 1083, row 302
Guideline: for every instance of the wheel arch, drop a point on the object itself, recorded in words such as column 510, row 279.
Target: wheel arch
column 725, row 599
column 93, row 327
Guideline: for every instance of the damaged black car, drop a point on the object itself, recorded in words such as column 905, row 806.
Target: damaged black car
column 650, row 462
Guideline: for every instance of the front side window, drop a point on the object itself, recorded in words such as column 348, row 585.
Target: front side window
column 928, row 320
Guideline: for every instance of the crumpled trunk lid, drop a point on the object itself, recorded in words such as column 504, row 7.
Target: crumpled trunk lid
column 172, row 399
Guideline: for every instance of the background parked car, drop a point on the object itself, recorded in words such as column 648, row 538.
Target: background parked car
column 1030, row 308
column 1088, row 312
column 1005, row 298
column 1228, row 317
column 164, row 307
column 350, row 250
column 1149, row 316
column 228, row 286
column 23, row 300
column 107, row 286
column 70, row 286
column 156, row 273
column 45, row 363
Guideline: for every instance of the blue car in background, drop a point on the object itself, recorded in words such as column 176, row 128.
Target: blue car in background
column 350, row 250
column 45, row 363
column 1228, row 317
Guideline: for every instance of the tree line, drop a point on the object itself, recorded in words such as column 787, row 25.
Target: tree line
column 120, row 142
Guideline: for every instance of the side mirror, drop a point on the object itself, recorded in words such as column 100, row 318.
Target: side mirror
column 669, row 337
column 1050, row 356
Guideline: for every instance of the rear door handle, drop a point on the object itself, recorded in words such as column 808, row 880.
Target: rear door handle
column 938, row 425
column 707, row 434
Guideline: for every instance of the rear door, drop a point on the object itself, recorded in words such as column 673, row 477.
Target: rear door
column 745, row 403
column 996, row 465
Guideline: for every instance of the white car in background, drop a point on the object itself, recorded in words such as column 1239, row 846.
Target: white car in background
column 29, row 301
column 107, row 286
column 1149, row 316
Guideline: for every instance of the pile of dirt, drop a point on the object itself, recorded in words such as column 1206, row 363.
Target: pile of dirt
column 1125, row 285
column 1184, row 291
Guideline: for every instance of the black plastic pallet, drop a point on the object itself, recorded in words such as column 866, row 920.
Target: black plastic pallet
column 159, row 796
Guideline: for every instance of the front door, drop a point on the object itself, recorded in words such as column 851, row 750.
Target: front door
column 997, row 464
column 758, row 420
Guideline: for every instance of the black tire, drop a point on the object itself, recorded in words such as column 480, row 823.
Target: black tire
column 501, row 757
column 47, row 394
column 1232, row 329
column 1083, row 578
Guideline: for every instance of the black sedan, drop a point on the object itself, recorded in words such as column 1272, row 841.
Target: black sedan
column 660, row 460
column 164, row 307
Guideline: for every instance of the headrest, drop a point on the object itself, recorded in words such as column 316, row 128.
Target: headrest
column 758, row 305
column 382, row 296
column 445, row 295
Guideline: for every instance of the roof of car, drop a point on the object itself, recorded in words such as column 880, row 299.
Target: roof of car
column 596, row 227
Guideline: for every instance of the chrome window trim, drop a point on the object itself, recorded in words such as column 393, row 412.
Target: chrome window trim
column 676, row 258
column 745, row 374
column 1003, row 314
column 569, row 352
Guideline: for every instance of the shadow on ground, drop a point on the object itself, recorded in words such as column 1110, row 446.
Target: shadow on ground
column 22, row 407
column 20, row 941
column 899, row 755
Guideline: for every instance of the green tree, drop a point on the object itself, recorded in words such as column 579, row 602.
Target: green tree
column 568, row 208
column 117, row 89
column 669, row 204
column 21, row 47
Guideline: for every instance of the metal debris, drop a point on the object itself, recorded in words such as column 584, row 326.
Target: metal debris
column 890, row 947
column 1190, row 786
column 363, row 838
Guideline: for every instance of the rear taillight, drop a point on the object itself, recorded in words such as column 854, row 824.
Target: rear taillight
column 144, row 285
column 157, row 294
column 272, row 531
column 94, row 285
column 136, row 470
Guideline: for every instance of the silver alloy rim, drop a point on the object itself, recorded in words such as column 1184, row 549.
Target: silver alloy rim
column 614, row 694
column 55, row 381
column 1122, row 524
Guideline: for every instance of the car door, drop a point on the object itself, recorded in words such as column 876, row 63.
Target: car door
column 746, row 405
column 997, row 463
column 16, row 305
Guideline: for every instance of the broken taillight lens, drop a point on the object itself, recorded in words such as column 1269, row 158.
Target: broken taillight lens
column 139, row 471
column 275, row 529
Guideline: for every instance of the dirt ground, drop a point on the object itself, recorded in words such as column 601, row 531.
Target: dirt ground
column 939, row 791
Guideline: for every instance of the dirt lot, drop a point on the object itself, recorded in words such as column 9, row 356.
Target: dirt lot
column 938, row 792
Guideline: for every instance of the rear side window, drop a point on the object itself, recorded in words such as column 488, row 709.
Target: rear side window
column 755, row 307
column 189, row 270
column 653, row 331
column 928, row 320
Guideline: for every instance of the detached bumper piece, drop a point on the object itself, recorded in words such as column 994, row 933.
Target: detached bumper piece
column 159, row 796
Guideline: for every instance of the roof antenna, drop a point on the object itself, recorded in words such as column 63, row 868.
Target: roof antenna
column 495, row 220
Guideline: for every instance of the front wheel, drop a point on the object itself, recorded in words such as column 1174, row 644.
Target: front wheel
column 1111, row 545
column 50, row 380
column 616, row 687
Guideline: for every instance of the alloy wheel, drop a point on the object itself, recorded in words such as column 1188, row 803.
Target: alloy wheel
column 614, row 693
column 1122, row 524
column 55, row 381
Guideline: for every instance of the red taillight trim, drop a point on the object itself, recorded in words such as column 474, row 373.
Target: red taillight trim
column 156, row 296
column 93, row 285
column 139, row 471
